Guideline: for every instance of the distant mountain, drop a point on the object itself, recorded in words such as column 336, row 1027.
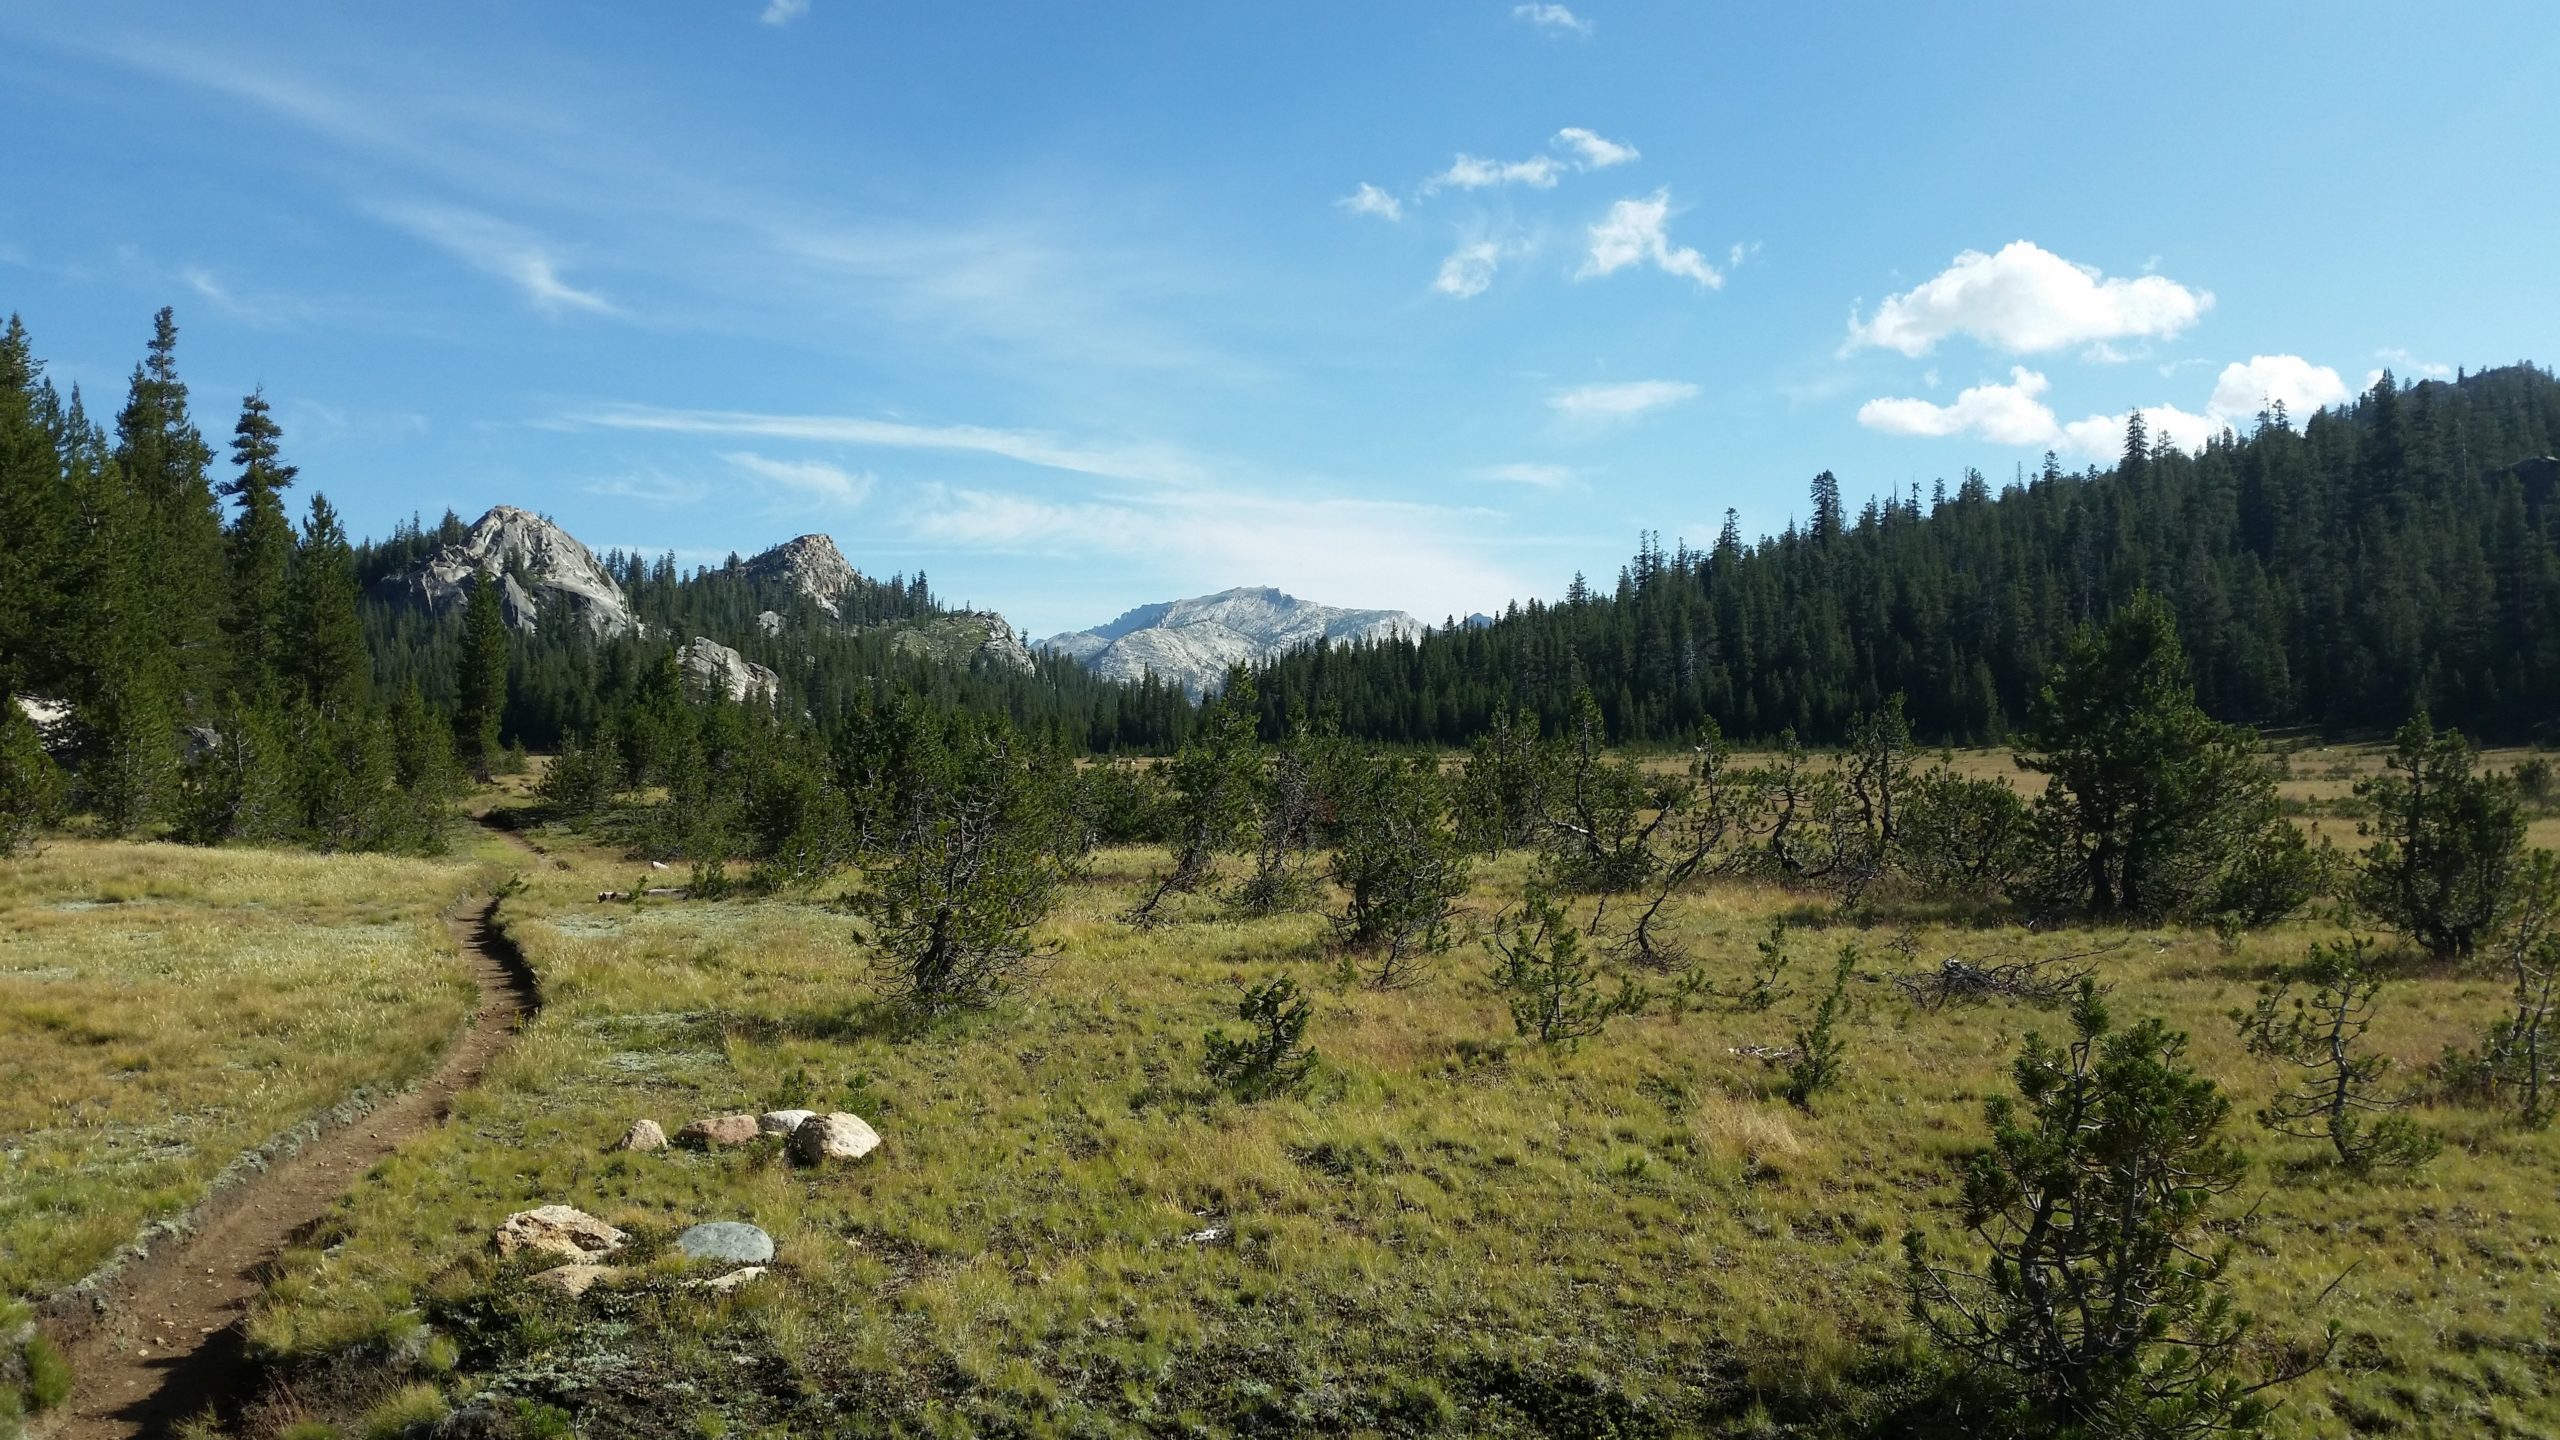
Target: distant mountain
column 540, row 565
column 1191, row 643
column 809, row 565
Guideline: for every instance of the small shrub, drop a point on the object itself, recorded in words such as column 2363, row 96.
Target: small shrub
column 1402, row 870
column 580, row 781
column 1820, row 1050
column 2448, row 842
column 1554, row 991
column 1961, row 837
column 2095, row 1307
column 2340, row 1096
column 1269, row 1061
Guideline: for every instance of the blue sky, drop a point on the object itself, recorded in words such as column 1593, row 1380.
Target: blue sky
column 1420, row 304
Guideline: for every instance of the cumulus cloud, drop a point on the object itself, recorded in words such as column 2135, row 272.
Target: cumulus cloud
column 2015, row 413
column 815, row 480
column 1593, row 152
column 2028, row 300
column 1474, row 172
column 783, row 12
column 1370, row 200
column 1619, row 400
column 1634, row 233
column 2246, row 387
column 1529, row 473
column 1469, row 270
column 2003, row 414
column 1552, row 17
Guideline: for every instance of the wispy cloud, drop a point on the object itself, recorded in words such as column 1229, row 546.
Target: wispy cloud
column 649, row 488
column 489, row 244
column 830, row 485
column 1370, row 200
column 1619, row 400
column 1536, row 476
column 1474, row 172
column 1552, row 17
column 2408, row 364
column 1155, row 465
column 1636, row 232
column 1468, row 272
column 2026, row 300
column 1594, row 152
column 783, row 12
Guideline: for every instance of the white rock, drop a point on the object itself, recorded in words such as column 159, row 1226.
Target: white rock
column 723, row 1284
column 575, row 1278
column 812, row 566
column 562, row 1230
column 782, row 1122
column 713, row 665
column 1192, row 642
column 506, row 541
column 838, row 1136
column 644, row 1135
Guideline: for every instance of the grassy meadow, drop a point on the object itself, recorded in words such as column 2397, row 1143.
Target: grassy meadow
column 165, row 1009
column 1455, row 1231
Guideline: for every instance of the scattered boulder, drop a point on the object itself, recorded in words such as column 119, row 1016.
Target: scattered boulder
column 478, row 1421
column 716, row 667
column 575, row 1278
column 561, row 1230
column 643, row 1135
column 723, row 1284
column 839, row 1136
column 731, row 1241
column 782, row 1122
column 713, row 1131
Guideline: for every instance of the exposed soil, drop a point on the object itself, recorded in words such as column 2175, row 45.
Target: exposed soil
column 168, row 1343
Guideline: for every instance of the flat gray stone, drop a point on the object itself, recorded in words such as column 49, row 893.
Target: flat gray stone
column 732, row 1241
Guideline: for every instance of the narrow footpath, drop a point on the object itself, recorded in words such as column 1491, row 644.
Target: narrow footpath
column 171, row 1344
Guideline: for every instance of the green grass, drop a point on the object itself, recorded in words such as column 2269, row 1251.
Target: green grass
column 1453, row 1232
column 165, row 1009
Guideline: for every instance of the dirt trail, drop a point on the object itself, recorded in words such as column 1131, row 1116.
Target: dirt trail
column 170, row 1343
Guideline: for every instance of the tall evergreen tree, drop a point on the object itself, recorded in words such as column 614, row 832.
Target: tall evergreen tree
column 162, row 461
column 482, row 701
column 262, row 544
column 323, row 634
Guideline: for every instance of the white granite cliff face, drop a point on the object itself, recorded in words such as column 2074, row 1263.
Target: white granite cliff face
column 559, row 574
column 714, row 665
column 1192, row 642
column 811, row 565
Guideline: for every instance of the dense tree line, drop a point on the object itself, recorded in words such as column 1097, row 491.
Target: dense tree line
column 563, row 680
column 200, row 659
column 2400, row 551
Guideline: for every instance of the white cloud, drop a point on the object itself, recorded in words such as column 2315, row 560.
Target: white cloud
column 2015, row 414
column 491, row 245
column 1529, row 473
column 2408, row 364
column 1153, row 465
column 783, row 12
column 650, row 489
column 1619, row 400
column 1474, row 172
column 1370, row 200
column 2004, row 414
column 1595, row 153
column 2028, row 300
column 2246, row 387
column 829, row 485
column 1634, row 233
column 1552, row 17
column 1469, row 270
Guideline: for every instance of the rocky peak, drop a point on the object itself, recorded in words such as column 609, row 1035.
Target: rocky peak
column 811, row 565
column 715, row 666
column 538, row 564
column 1192, row 642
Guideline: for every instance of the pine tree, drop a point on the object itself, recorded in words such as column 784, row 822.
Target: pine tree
column 162, row 460
column 35, row 519
column 325, row 645
column 2448, row 843
column 262, row 555
column 482, row 701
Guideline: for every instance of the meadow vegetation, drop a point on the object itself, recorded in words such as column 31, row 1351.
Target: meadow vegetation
column 166, row 1009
